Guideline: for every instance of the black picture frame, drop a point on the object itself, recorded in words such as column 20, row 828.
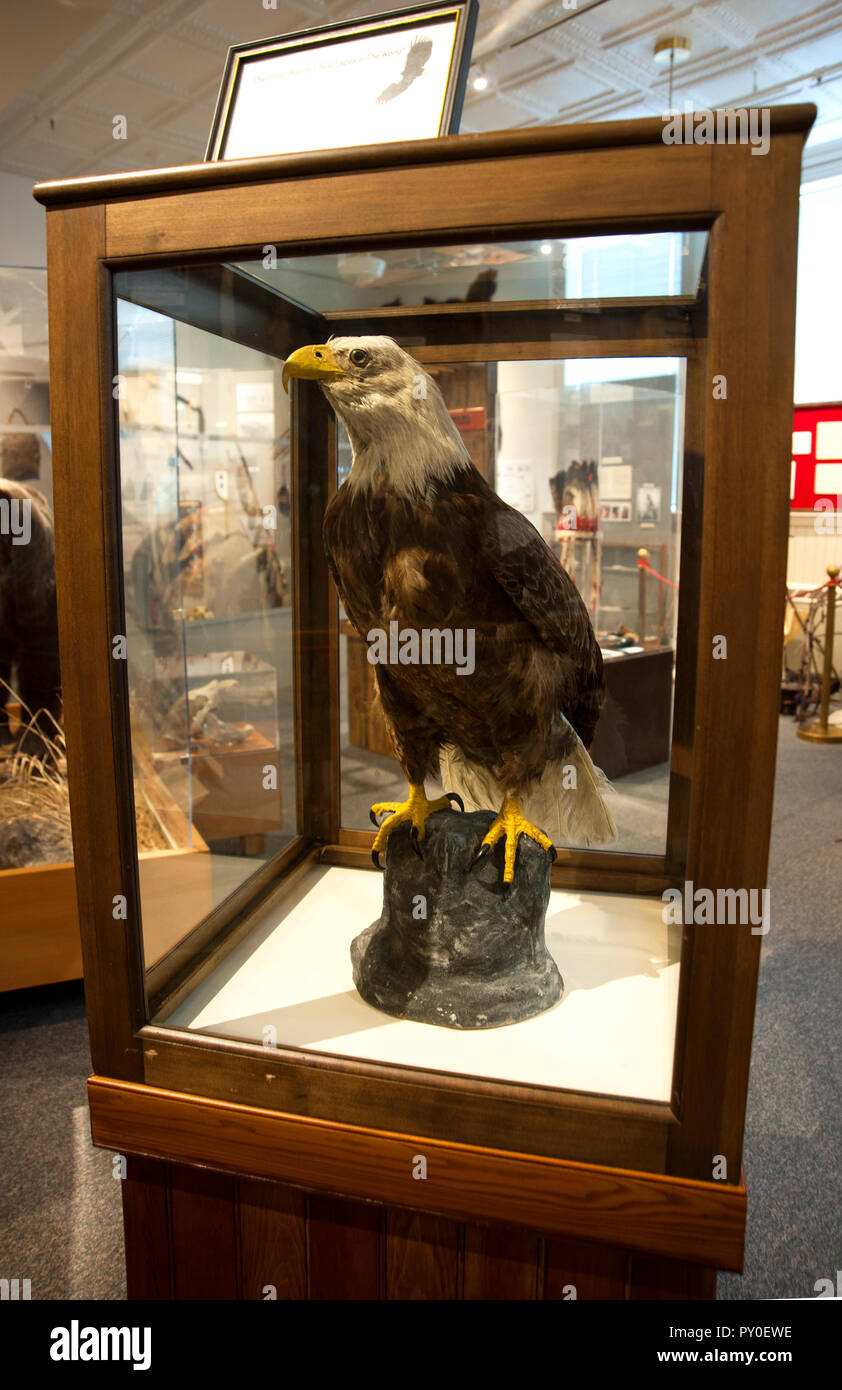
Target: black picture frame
column 243, row 57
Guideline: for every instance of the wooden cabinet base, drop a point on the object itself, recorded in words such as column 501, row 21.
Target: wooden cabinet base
column 229, row 1201
column 192, row 1233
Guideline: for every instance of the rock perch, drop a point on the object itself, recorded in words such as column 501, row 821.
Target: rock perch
column 454, row 947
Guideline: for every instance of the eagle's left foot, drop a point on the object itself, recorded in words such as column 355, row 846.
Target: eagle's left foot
column 415, row 810
column 510, row 824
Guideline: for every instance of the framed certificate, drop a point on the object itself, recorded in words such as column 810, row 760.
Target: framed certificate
column 396, row 76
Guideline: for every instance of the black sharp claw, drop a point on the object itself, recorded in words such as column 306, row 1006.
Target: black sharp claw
column 372, row 817
column 413, row 835
column 480, row 855
column 375, row 859
column 454, row 796
column 554, row 852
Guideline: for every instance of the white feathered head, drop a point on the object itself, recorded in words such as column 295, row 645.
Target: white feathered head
column 400, row 428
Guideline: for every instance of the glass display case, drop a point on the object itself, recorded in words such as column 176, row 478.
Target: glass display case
column 39, row 915
column 28, row 634
column 206, row 511
column 39, row 933
column 572, row 295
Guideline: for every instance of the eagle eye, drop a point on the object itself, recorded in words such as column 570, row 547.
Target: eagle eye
column 359, row 357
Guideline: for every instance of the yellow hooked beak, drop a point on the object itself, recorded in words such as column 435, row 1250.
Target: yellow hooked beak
column 316, row 362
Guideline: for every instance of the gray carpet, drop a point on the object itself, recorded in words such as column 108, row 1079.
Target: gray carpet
column 794, row 1122
column 60, row 1218
column 61, row 1223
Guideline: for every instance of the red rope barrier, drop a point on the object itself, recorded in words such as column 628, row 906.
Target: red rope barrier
column 805, row 593
column 655, row 575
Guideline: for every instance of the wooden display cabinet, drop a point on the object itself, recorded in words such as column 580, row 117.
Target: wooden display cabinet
column 293, row 1165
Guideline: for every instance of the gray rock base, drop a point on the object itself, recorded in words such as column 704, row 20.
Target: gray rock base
column 478, row 958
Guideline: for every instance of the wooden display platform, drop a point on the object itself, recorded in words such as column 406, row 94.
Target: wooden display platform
column 40, row 941
column 607, row 1233
column 192, row 1233
column 230, row 796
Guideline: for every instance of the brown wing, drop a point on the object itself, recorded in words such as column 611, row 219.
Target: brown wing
column 349, row 556
column 525, row 567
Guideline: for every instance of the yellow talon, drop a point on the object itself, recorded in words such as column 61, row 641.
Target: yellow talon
column 416, row 810
column 511, row 823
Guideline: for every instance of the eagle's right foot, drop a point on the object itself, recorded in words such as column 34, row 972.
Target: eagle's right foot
column 508, row 826
column 416, row 810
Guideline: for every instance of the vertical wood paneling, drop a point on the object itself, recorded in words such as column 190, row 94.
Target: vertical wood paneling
column 146, row 1229
column 344, row 1249
column 271, row 1240
column 500, row 1263
column 196, row 1234
column 594, row 1271
column 654, row 1277
column 422, row 1256
column 202, row 1234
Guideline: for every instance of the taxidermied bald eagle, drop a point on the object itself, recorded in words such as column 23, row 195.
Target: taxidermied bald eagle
column 416, row 537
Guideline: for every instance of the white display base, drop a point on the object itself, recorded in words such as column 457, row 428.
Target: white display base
column 613, row 1031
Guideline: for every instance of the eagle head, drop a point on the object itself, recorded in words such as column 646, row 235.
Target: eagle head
column 400, row 429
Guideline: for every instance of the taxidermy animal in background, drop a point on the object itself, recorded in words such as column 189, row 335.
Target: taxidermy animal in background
column 416, row 537
column 575, row 494
column 28, row 619
column 239, row 574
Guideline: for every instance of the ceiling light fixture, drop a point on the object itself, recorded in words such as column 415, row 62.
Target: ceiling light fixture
column 670, row 51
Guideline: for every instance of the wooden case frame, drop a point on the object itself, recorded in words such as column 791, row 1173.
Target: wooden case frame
column 563, row 181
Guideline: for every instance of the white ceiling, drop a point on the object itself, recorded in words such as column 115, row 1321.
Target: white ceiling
column 69, row 66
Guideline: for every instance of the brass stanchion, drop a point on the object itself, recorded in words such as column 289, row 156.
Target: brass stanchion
column 642, row 559
column 818, row 730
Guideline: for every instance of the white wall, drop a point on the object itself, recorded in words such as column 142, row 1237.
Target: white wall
column 818, row 328
column 818, row 359
column 22, row 223
column 812, row 550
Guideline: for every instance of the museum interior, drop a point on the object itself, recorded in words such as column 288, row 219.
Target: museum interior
column 420, row 530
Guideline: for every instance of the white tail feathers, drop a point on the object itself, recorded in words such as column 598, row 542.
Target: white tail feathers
column 567, row 802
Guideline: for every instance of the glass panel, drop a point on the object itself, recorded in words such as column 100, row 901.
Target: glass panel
column 34, row 801
column 565, row 367
column 590, row 452
column 604, row 267
column 205, row 482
